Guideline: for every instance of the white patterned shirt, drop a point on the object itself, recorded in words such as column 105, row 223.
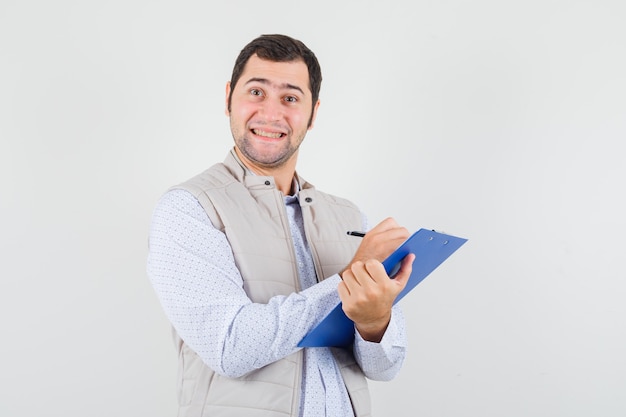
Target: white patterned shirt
column 194, row 274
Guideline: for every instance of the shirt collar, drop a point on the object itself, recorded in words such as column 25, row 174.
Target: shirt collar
column 290, row 199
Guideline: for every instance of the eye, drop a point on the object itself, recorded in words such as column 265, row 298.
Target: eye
column 291, row 99
column 256, row 92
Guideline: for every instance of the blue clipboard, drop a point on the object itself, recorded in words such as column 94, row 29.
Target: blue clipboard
column 430, row 248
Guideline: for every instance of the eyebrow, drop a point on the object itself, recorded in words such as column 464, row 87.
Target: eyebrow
column 268, row 82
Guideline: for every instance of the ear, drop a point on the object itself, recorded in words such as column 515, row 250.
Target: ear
column 314, row 115
column 226, row 110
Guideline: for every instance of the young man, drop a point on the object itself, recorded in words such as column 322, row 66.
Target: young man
column 247, row 257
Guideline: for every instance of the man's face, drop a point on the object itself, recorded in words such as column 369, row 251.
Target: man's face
column 270, row 111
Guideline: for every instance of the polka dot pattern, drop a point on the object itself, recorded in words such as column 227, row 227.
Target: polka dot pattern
column 193, row 272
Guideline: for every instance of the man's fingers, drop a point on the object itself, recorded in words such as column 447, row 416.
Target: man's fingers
column 406, row 267
column 387, row 224
column 375, row 270
column 350, row 275
column 389, row 229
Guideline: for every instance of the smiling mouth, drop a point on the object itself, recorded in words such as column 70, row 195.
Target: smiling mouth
column 271, row 135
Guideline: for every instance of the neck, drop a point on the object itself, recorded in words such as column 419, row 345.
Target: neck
column 283, row 182
column 283, row 175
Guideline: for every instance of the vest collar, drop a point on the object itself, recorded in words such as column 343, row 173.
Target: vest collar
column 251, row 180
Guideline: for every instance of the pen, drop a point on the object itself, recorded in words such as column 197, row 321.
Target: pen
column 358, row 234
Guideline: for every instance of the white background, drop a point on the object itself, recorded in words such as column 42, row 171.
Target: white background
column 500, row 121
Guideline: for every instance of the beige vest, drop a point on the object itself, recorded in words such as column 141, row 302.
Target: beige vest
column 250, row 211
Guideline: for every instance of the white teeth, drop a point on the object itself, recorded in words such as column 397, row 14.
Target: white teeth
column 267, row 134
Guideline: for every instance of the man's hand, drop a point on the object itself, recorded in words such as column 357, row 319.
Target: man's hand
column 367, row 293
column 381, row 241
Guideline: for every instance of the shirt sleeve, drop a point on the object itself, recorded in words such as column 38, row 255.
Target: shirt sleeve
column 382, row 361
column 193, row 271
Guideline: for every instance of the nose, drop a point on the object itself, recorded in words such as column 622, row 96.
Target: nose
column 271, row 109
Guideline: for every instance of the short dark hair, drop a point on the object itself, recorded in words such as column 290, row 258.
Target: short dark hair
column 279, row 48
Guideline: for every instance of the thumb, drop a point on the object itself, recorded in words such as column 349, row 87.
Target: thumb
column 406, row 267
